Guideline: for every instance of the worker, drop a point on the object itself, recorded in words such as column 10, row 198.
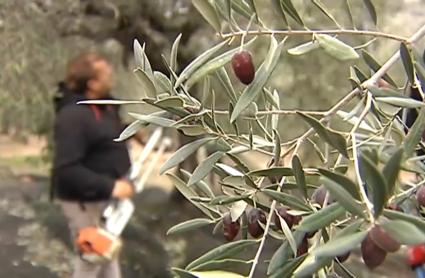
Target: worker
column 89, row 167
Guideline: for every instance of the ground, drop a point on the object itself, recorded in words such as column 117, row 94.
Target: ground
column 34, row 240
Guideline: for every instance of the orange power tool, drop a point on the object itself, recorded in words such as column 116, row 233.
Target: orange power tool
column 101, row 243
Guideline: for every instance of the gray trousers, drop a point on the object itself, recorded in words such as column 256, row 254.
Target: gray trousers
column 78, row 217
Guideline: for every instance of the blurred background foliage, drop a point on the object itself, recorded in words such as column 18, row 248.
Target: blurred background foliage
column 39, row 36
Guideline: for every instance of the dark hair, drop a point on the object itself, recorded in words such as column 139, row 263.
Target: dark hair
column 80, row 70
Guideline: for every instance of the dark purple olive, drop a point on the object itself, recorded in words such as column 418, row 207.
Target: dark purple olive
column 230, row 228
column 289, row 219
column 254, row 217
column 420, row 196
column 243, row 67
column 303, row 247
column 383, row 239
column 372, row 254
column 319, row 196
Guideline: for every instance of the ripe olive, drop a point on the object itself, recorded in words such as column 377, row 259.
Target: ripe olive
column 289, row 219
column 254, row 217
column 303, row 247
column 372, row 254
column 383, row 239
column 243, row 67
column 230, row 228
column 420, row 195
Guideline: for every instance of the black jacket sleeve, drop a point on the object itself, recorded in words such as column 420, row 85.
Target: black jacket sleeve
column 71, row 144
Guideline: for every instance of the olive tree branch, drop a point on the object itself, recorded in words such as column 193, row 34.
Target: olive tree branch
column 273, row 112
column 371, row 81
column 311, row 32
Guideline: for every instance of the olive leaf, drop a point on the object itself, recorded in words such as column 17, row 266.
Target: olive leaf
column 375, row 66
column 147, row 83
column 205, row 167
column 321, row 218
column 288, row 268
column 343, row 181
column 323, row 9
column 221, row 252
column 221, row 264
column 401, row 102
column 343, row 197
column 336, row 48
column 375, row 181
column 404, row 232
column 130, row 130
column 174, row 52
column 396, row 215
column 392, row 168
column 372, row 11
column 189, row 225
column 184, row 152
column 208, row 12
column 333, row 138
column 407, row 59
column 304, row 48
column 283, row 253
column 277, row 147
column 278, row 6
column 142, row 61
column 152, row 119
column 189, row 193
column 339, row 245
column 224, row 80
column 287, row 199
column 299, row 175
column 415, row 134
column 289, row 8
column 198, row 62
column 162, row 83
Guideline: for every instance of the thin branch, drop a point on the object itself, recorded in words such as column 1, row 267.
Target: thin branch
column 274, row 112
column 311, row 32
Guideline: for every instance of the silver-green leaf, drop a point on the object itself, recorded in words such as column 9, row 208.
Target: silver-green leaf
column 184, row 152
column 336, row 48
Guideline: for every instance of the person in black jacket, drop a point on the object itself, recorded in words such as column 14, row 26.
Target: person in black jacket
column 89, row 167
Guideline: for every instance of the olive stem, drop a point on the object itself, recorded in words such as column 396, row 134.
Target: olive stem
column 311, row 32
